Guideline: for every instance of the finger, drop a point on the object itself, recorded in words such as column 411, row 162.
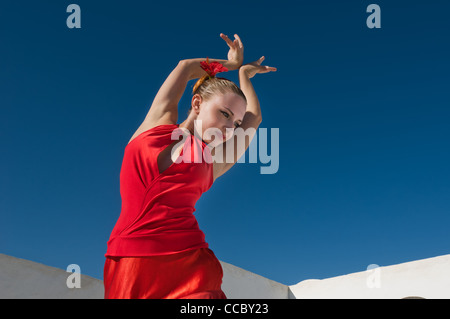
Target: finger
column 227, row 40
column 269, row 69
column 266, row 69
column 239, row 41
column 260, row 60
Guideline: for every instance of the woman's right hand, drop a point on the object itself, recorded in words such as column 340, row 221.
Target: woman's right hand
column 236, row 52
column 250, row 69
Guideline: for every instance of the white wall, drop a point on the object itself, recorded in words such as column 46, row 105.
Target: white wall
column 427, row 278
column 242, row 284
column 23, row 279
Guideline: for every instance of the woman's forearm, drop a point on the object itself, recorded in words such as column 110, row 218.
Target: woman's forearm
column 195, row 71
column 250, row 94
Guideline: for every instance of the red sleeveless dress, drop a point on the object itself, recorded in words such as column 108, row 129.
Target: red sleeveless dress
column 156, row 249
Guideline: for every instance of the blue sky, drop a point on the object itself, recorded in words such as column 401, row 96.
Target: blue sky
column 362, row 116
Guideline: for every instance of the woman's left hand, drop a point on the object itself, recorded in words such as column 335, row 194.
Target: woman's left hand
column 253, row 68
column 236, row 52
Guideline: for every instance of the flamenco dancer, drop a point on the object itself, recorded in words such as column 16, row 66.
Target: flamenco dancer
column 156, row 249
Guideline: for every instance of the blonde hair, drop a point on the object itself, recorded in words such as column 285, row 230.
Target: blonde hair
column 208, row 86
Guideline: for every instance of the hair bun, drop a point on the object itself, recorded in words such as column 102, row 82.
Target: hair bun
column 200, row 82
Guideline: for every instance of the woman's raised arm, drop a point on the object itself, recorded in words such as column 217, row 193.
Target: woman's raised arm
column 250, row 123
column 164, row 108
column 195, row 70
column 235, row 58
column 165, row 104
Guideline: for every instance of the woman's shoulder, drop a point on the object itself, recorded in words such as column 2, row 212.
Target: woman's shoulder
column 148, row 127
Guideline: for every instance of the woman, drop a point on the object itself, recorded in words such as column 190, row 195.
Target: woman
column 156, row 249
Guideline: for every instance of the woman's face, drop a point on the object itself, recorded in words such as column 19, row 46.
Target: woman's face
column 220, row 116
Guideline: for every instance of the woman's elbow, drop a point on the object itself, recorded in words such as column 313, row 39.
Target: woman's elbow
column 183, row 62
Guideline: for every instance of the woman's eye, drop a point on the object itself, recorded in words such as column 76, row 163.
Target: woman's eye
column 227, row 116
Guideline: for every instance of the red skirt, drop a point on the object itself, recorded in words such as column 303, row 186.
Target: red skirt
column 193, row 274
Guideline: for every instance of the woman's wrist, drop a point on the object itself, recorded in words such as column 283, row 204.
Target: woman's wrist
column 231, row 65
column 243, row 72
column 195, row 71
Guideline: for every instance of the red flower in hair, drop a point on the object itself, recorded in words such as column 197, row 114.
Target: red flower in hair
column 212, row 68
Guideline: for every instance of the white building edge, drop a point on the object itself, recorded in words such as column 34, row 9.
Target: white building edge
column 427, row 278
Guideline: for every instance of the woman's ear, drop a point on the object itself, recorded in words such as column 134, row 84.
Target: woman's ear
column 195, row 103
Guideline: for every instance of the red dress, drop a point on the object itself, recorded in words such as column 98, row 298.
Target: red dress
column 156, row 249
